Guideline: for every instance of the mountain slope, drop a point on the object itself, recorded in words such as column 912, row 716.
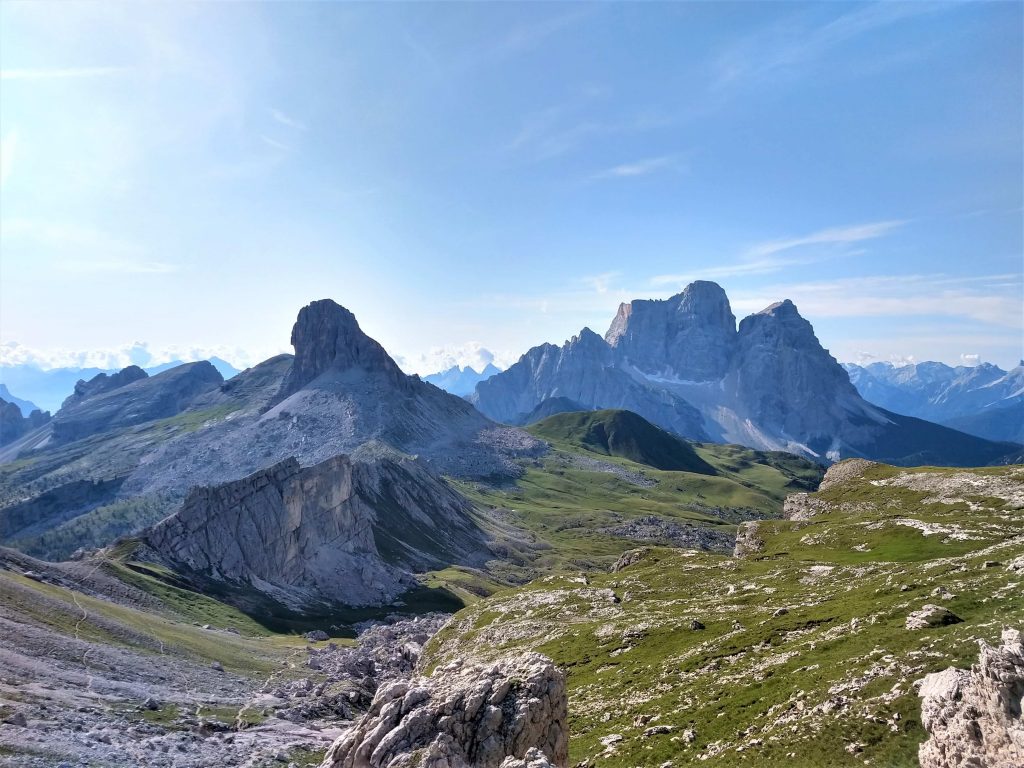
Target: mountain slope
column 683, row 364
column 150, row 439
column 626, row 435
column 982, row 400
column 798, row 654
column 26, row 406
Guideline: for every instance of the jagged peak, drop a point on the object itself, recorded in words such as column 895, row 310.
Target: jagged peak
column 326, row 336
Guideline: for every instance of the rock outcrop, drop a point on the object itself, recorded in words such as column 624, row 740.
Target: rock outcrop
column 107, row 403
column 748, row 540
column 344, row 531
column 973, row 718
column 327, row 339
column 769, row 384
column 930, row 616
column 508, row 714
column 103, row 382
column 13, row 424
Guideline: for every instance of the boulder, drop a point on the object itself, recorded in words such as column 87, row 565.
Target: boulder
column 973, row 717
column 748, row 539
column 932, row 616
column 464, row 716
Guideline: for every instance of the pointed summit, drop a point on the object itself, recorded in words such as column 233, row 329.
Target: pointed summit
column 327, row 337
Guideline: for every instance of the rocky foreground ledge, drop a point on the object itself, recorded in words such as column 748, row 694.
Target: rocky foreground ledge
column 973, row 717
column 508, row 714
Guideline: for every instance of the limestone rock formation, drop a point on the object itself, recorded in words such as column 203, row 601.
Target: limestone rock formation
column 931, row 616
column 327, row 337
column 344, row 531
column 689, row 336
column 748, row 539
column 683, row 364
column 973, row 718
column 13, row 424
column 464, row 716
column 107, row 403
column 103, row 382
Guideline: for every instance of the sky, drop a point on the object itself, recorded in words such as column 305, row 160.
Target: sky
column 472, row 180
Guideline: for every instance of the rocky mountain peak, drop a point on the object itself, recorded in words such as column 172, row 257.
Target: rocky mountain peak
column 103, row 382
column 690, row 335
column 326, row 337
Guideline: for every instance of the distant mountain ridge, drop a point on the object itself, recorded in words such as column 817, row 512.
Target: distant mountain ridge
column 26, row 406
column 461, row 381
column 50, row 387
column 982, row 400
column 683, row 364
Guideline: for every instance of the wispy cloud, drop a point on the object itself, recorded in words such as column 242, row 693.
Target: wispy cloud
column 276, row 144
column 526, row 36
column 832, row 236
column 775, row 255
column 640, row 168
column 284, row 119
column 989, row 299
column 601, row 283
column 59, row 73
column 792, row 46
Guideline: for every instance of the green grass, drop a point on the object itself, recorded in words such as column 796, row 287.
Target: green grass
column 830, row 672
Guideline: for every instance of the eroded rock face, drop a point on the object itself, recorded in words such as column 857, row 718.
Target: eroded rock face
column 973, row 718
column 690, row 336
column 509, row 714
column 103, row 382
column 748, row 540
column 327, row 337
column 343, row 531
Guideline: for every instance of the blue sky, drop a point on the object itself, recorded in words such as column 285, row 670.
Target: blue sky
column 493, row 176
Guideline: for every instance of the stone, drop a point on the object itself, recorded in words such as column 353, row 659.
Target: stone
column 317, row 636
column 748, row 539
column 630, row 557
column 973, row 717
column 18, row 719
column 931, row 616
column 696, row 625
column 216, row 666
column 464, row 715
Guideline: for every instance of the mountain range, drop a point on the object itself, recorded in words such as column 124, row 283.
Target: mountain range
column 49, row 387
column 982, row 400
column 684, row 364
column 461, row 381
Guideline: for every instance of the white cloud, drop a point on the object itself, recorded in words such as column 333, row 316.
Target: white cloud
column 284, row 119
column 832, row 236
column 601, row 283
column 969, row 359
column 640, row 168
column 764, row 258
column 276, row 144
column 59, row 73
column 136, row 353
column 471, row 354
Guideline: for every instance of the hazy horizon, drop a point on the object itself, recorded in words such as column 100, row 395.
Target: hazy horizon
column 474, row 180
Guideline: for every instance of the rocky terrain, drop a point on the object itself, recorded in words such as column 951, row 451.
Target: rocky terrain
column 683, row 364
column 14, row 424
column 796, row 653
column 147, row 440
column 973, row 717
column 345, row 531
column 463, row 715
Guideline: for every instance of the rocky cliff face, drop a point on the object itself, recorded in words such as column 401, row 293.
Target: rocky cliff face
column 107, row 403
column 973, row 718
column 103, row 382
column 327, row 339
column 690, row 336
column 13, row 424
column 507, row 714
column 682, row 364
column 344, row 531
column 584, row 370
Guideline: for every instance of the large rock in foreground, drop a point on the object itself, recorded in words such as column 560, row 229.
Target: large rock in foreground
column 465, row 716
column 973, row 718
